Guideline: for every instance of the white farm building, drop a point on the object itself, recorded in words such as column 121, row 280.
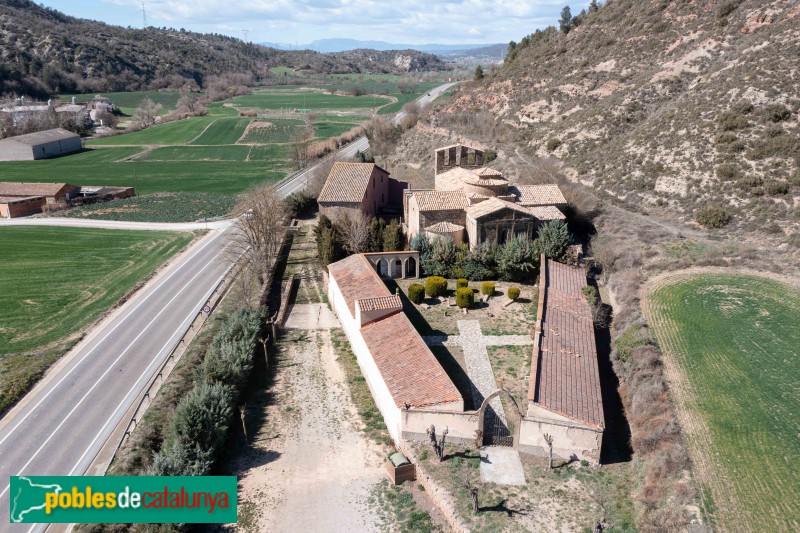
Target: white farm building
column 40, row 145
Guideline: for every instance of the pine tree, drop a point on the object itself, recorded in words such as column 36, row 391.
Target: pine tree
column 478, row 73
column 565, row 23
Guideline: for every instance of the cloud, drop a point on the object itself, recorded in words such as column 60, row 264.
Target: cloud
column 412, row 21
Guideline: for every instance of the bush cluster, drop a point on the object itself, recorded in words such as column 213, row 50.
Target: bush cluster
column 435, row 286
column 416, row 292
column 200, row 424
column 461, row 283
column 465, row 297
column 713, row 216
column 516, row 260
column 513, row 293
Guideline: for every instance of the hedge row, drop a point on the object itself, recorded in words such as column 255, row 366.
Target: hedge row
column 199, row 427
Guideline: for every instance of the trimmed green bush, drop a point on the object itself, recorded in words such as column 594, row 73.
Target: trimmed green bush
column 487, row 288
column 435, row 286
column 416, row 292
column 461, row 283
column 464, row 297
column 513, row 293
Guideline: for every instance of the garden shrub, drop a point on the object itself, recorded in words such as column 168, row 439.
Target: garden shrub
column 465, row 297
column 481, row 262
column 513, row 293
column 435, row 286
column 416, row 292
column 461, row 283
column 487, row 288
column 554, row 237
column 517, row 259
column 713, row 216
column 422, row 244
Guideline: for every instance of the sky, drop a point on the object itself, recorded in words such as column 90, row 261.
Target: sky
column 285, row 21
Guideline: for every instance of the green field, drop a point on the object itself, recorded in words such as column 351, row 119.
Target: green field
column 128, row 102
column 101, row 167
column 736, row 341
column 304, row 99
column 178, row 132
column 162, row 207
column 223, row 131
column 56, row 281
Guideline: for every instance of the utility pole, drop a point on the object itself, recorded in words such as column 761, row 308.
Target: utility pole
column 245, row 34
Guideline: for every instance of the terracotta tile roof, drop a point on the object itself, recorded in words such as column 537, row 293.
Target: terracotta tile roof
column 493, row 205
column 547, row 212
column 540, row 195
column 357, row 280
column 440, row 200
column 487, row 172
column 411, row 372
column 47, row 136
column 347, row 182
column 565, row 377
column 380, row 302
column 444, row 227
column 9, row 188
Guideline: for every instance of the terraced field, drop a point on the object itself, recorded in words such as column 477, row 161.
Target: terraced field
column 128, row 102
column 732, row 345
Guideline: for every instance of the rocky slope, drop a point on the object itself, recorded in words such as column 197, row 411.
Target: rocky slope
column 671, row 105
column 43, row 51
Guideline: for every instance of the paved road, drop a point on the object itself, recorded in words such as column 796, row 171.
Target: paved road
column 63, row 422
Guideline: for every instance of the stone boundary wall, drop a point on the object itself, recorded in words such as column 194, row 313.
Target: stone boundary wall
column 461, row 426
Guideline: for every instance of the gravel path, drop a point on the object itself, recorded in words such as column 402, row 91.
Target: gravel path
column 311, row 468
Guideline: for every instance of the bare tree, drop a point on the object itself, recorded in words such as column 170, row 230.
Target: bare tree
column 300, row 141
column 259, row 232
column 549, row 440
column 473, row 494
column 189, row 101
column 478, row 438
column 146, row 114
column 438, row 446
column 354, row 232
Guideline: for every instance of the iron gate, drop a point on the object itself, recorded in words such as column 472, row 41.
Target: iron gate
column 495, row 430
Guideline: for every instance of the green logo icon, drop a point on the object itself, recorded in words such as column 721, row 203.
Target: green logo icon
column 123, row 499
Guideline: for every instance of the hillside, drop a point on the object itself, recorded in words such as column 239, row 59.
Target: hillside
column 668, row 105
column 43, row 52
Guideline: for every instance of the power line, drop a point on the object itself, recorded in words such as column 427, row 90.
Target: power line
column 144, row 17
column 245, row 34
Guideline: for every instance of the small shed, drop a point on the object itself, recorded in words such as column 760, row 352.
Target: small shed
column 400, row 468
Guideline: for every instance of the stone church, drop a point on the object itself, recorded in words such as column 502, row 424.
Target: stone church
column 472, row 203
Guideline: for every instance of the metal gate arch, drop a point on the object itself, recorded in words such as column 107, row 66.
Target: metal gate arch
column 515, row 414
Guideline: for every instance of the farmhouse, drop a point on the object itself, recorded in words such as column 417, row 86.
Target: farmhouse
column 40, row 145
column 564, row 395
column 23, row 199
column 354, row 188
column 400, row 369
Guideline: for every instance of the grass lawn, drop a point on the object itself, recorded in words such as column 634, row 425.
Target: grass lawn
column 512, row 367
column 564, row 499
column 736, row 342
column 495, row 317
column 161, row 207
column 56, row 281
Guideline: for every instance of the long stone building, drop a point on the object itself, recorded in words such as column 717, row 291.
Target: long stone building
column 40, row 145
column 355, row 188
